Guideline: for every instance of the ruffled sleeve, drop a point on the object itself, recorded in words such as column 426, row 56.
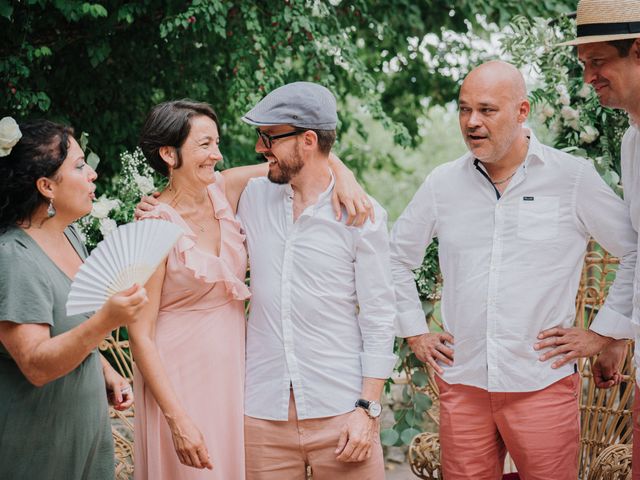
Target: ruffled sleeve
column 228, row 268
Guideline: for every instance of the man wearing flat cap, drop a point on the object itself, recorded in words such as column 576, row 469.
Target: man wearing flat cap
column 320, row 329
column 608, row 45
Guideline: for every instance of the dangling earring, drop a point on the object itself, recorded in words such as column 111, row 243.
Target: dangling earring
column 170, row 184
column 51, row 211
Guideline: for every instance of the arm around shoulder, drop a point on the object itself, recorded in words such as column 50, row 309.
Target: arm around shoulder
column 236, row 180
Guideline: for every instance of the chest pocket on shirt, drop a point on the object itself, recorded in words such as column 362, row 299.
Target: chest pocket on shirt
column 538, row 218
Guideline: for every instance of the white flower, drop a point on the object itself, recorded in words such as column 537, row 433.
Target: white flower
column 83, row 236
column 588, row 134
column 103, row 206
column 569, row 113
column 548, row 110
column 145, row 184
column 9, row 135
column 561, row 88
column 574, row 124
column 585, row 91
column 335, row 3
column 556, row 127
column 107, row 225
column 564, row 98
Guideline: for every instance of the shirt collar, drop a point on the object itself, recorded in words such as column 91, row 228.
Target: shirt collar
column 535, row 152
column 322, row 197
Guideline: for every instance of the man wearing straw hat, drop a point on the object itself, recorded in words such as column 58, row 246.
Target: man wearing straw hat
column 608, row 45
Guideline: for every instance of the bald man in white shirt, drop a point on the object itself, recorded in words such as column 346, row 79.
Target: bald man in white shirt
column 513, row 218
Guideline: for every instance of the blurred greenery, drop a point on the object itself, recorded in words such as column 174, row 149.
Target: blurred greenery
column 101, row 65
column 440, row 142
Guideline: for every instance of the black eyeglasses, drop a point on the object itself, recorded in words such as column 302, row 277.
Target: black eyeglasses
column 268, row 139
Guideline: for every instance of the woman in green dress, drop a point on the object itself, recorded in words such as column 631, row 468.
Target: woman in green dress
column 54, row 421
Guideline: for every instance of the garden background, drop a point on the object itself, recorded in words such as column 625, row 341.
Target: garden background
column 395, row 67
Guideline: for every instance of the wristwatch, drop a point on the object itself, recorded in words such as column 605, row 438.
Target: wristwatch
column 373, row 408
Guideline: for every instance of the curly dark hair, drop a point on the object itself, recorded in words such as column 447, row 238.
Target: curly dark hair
column 39, row 153
column 168, row 125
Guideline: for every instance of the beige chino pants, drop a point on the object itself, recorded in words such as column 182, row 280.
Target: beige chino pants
column 277, row 450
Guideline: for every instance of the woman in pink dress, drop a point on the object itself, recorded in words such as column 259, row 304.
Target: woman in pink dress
column 189, row 343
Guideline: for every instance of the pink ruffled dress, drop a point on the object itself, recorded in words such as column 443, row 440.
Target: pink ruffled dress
column 200, row 335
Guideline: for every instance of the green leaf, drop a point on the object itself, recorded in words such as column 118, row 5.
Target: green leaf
column 93, row 160
column 413, row 418
column 420, row 378
column 84, row 141
column 389, row 437
column 6, row 10
column 406, row 398
column 421, row 401
column 407, row 435
column 399, row 414
column 98, row 52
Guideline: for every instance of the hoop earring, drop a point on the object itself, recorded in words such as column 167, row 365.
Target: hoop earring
column 51, row 211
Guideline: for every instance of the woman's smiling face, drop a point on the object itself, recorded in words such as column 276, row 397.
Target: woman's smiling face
column 199, row 153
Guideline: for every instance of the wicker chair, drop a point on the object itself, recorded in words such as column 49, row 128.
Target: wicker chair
column 117, row 349
column 606, row 423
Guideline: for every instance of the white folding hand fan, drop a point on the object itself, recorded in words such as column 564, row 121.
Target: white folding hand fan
column 128, row 255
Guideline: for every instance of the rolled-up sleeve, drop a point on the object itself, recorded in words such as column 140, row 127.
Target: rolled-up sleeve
column 410, row 236
column 606, row 218
column 376, row 299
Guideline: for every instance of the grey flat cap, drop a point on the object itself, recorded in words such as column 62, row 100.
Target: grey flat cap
column 301, row 104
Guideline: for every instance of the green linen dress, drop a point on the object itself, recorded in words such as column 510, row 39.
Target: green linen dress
column 60, row 430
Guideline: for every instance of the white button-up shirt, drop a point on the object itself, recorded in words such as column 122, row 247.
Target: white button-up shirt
column 322, row 306
column 511, row 266
column 630, row 169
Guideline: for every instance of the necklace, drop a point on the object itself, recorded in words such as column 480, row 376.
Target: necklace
column 499, row 182
column 201, row 227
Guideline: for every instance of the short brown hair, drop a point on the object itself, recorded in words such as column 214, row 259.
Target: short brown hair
column 326, row 139
column 168, row 125
column 623, row 46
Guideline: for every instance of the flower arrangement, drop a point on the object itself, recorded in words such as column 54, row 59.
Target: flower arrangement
column 116, row 206
column 561, row 100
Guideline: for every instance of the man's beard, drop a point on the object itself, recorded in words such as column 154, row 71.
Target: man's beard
column 286, row 171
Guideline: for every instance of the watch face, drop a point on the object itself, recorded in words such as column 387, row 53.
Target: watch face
column 375, row 409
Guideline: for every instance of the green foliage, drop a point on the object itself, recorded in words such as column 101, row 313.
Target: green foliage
column 117, row 205
column 563, row 102
column 409, row 418
column 101, row 65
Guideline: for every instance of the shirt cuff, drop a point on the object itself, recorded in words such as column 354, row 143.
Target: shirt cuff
column 610, row 323
column 377, row 366
column 411, row 323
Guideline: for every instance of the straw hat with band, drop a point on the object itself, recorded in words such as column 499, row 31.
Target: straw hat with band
column 606, row 20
